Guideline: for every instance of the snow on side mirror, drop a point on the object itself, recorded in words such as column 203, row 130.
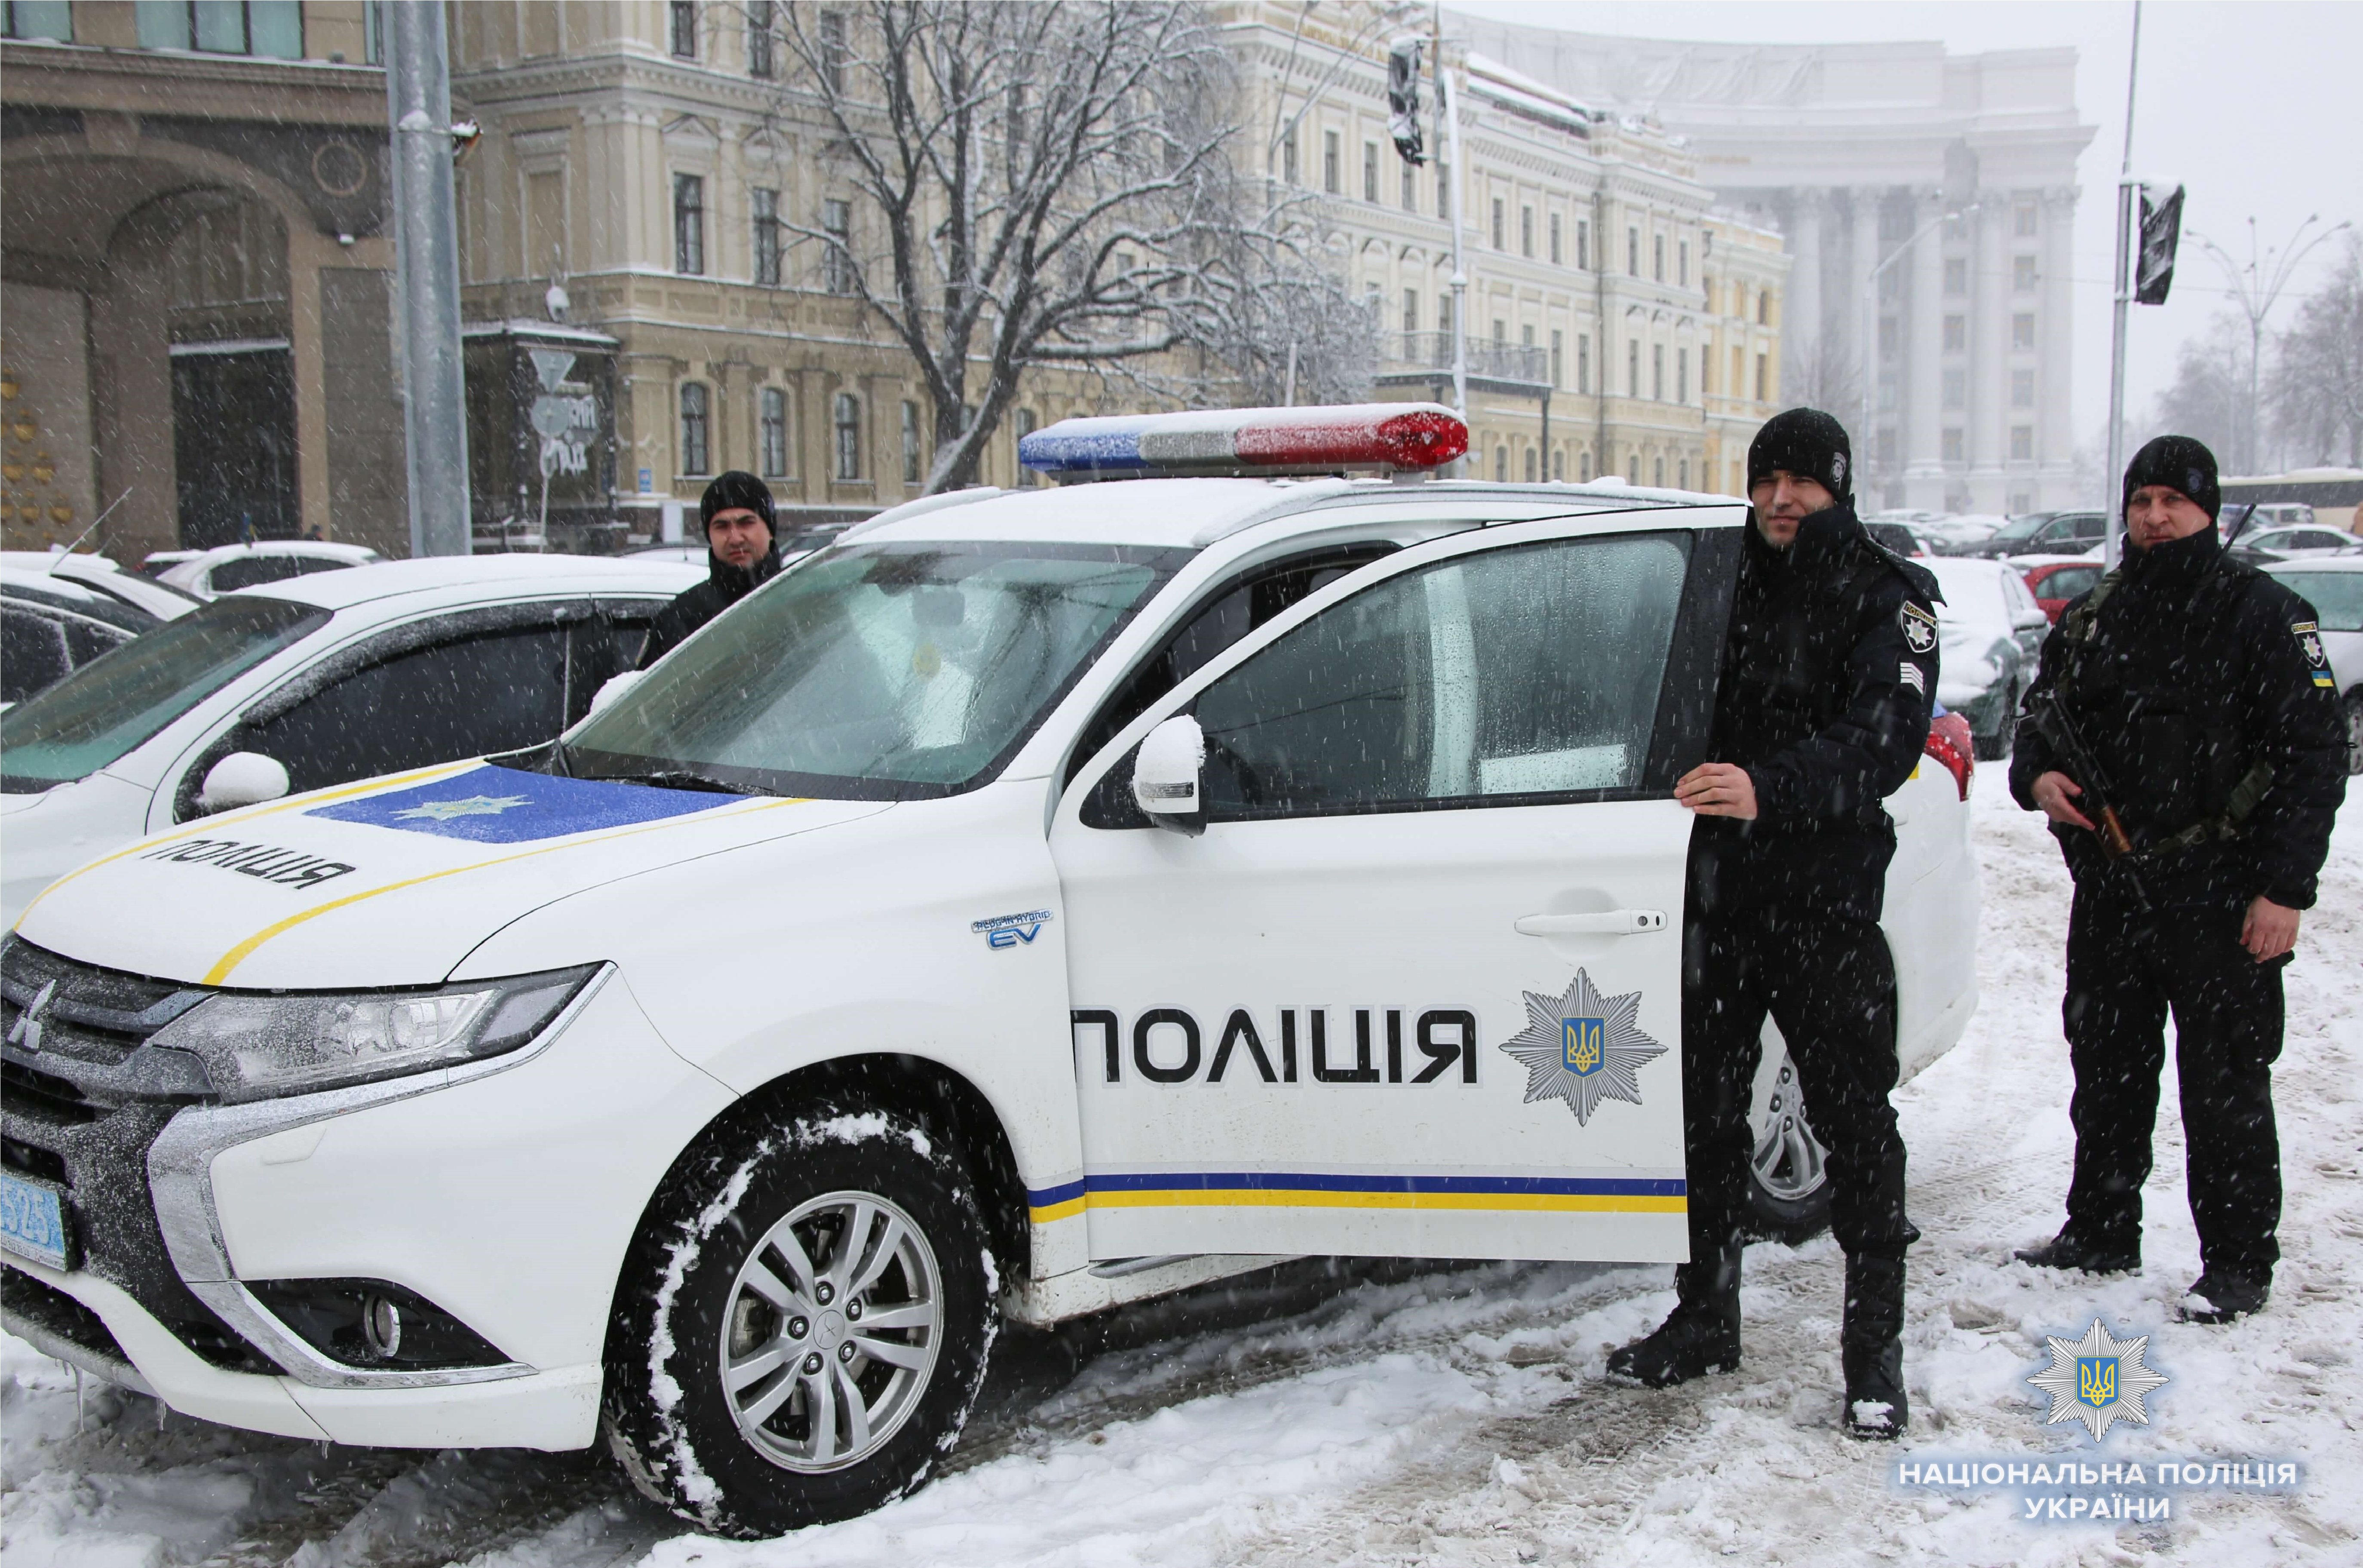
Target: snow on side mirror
column 1165, row 774
column 614, row 686
column 241, row 778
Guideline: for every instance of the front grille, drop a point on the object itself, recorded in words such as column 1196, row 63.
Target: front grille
column 72, row 1114
column 44, row 1306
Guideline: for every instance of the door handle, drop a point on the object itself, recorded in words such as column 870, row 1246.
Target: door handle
column 1613, row 922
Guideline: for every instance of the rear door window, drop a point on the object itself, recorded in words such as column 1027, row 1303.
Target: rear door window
column 32, row 652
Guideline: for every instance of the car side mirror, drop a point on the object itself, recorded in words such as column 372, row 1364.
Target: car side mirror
column 1165, row 774
column 241, row 778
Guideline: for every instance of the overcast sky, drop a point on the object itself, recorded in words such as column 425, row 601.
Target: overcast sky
column 2257, row 108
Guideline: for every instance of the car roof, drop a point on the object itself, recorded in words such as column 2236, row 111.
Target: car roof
column 329, row 549
column 2038, row 563
column 463, row 578
column 2326, row 563
column 1194, row 513
column 64, row 593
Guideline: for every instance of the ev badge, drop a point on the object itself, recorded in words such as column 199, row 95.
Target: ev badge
column 1012, row 929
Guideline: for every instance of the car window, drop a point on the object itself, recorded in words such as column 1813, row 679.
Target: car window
column 248, row 571
column 2336, row 597
column 500, row 692
column 102, row 711
column 2069, row 581
column 86, row 640
column 32, row 652
column 1528, row 671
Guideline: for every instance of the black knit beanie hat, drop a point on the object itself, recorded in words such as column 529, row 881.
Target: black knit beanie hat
column 734, row 490
column 2177, row 463
column 1805, row 441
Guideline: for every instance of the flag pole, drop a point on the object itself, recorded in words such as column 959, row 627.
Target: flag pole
column 2110, row 545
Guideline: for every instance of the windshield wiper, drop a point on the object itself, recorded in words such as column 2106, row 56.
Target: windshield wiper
column 677, row 778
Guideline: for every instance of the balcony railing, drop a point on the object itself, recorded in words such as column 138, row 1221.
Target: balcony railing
column 1487, row 359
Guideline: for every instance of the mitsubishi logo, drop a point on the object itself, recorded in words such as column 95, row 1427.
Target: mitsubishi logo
column 28, row 1033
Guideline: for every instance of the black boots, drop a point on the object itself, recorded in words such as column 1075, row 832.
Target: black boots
column 2220, row 1298
column 1870, row 1348
column 2067, row 1249
column 1701, row 1335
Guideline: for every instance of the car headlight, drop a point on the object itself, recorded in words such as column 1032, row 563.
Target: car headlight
column 260, row 1047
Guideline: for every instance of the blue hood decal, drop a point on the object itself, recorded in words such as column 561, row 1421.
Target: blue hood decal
column 502, row 805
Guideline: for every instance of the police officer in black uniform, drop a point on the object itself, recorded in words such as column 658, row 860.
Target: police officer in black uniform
column 742, row 552
column 2198, row 689
column 1821, row 713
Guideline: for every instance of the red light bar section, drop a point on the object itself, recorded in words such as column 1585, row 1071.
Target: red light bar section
column 1402, row 436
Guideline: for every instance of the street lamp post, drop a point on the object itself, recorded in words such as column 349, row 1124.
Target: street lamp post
column 2257, row 287
column 1870, row 313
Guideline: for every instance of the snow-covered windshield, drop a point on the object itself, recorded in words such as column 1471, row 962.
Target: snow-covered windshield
column 107, row 707
column 876, row 673
column 2336, row 596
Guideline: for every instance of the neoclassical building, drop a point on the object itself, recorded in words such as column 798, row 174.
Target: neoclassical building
column 1848, row 151
column 1605, row 297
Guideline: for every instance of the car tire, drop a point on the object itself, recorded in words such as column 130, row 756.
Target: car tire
column 1789, row 1186
column 2355, row 732
column 744, row 1391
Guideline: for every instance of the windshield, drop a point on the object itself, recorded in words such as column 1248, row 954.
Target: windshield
column 881, row 672
column 2336, row 597
column 2022, row 527
column 108, row 706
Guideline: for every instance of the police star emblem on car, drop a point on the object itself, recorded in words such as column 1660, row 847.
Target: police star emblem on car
column 1583, row 1047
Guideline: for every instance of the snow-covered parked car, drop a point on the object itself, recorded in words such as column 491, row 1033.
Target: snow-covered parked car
column 1990, row 632
column 51, row 626
column 316, row 680
column 102, row 576
column 2334, row 586
column 228, row 568
column 1034, row 901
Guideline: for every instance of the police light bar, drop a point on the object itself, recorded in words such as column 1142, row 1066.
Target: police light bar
column 1253, row 441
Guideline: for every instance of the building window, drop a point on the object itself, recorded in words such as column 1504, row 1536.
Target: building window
column 1957, row 275
column 51, row 20
column 1633, row 368
column 1957, row 334
column 1501, row 465
column 1763, row 379
column 1739, row 372
column 1657, row 261
column 1442, row 192
column 1583, row 366
column 2022, row 443
column 1501, row 332
column 1632, row 255
column 1498, row 231
column 682, row 34
column 1764, row 308
column 1554, row 239
column 1657, row 372
column 1533, row 460
column 1953, row 447
column 2022, row 275
column 1027, row 426
column 1583, row 466
column 1683, row 256
column 1706, row 374
column 1410, row 191
column 834, row 49
column 911, row 442
column 2022, row 500
column 1411, row 312
column 2021, row 389
column 696, row 428
column 766, row 209
column 1681, row 375
column 2023, row 220
column 836, row 254
column 1683, row 480
column 1558, row 358
column 1890, row 335
column 689, row 224
column 273, row 29
column 1330, row 173
column 1288, row 158
column 2022, row 330
column 1583, row 259
column 1526, row 231
column 772, row 432
column 760, row 61
column 1371, row 172
column 1558, row 466
column 1444, row 314
column 846, row 426
column 1658, row 472
column 1956, row 383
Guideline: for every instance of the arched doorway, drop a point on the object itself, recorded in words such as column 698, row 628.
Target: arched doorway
column 233, row 374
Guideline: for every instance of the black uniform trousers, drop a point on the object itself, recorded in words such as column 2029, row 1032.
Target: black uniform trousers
column 1829, row 982
column 2125, row 969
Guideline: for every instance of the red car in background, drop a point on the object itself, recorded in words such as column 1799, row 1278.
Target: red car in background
column 2056, row 581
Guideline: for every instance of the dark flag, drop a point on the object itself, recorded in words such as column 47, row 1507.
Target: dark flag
column 1402, row 97
column 2161, row 230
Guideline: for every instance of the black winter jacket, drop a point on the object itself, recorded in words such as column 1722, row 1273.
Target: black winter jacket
column 724, row 585
column 1828, row 672
column 2198, row 668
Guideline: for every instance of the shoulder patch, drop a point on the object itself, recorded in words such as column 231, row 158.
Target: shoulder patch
column 2308, row 643
column 1919, row 627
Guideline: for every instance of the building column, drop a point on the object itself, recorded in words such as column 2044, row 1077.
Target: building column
column 1862, row 323
column 1919, row 418
column 307, row 251
column 2055, row 430
column 1801, row 313
column 1990, row 311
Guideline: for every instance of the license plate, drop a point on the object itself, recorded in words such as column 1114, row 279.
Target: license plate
column 33, row 1219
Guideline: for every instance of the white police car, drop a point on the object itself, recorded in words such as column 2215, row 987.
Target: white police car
column 1034, row 901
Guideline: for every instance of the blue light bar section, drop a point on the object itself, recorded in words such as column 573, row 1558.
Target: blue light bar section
column 1107, row 444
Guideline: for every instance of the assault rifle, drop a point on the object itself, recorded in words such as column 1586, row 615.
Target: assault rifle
column 2050, row 716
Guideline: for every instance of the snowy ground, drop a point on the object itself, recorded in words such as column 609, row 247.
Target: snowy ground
column 1460, row 1416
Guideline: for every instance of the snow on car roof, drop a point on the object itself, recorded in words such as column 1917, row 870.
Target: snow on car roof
column 1194, row 513
column 512, row 573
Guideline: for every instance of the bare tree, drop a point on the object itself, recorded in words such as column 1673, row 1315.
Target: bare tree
column 2208, row 397
column 1813, row 375
column 2317, row 392
column 1040, row 185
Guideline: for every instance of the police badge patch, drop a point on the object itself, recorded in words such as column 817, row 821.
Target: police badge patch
column 2308, row 643
column 1919, row 627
